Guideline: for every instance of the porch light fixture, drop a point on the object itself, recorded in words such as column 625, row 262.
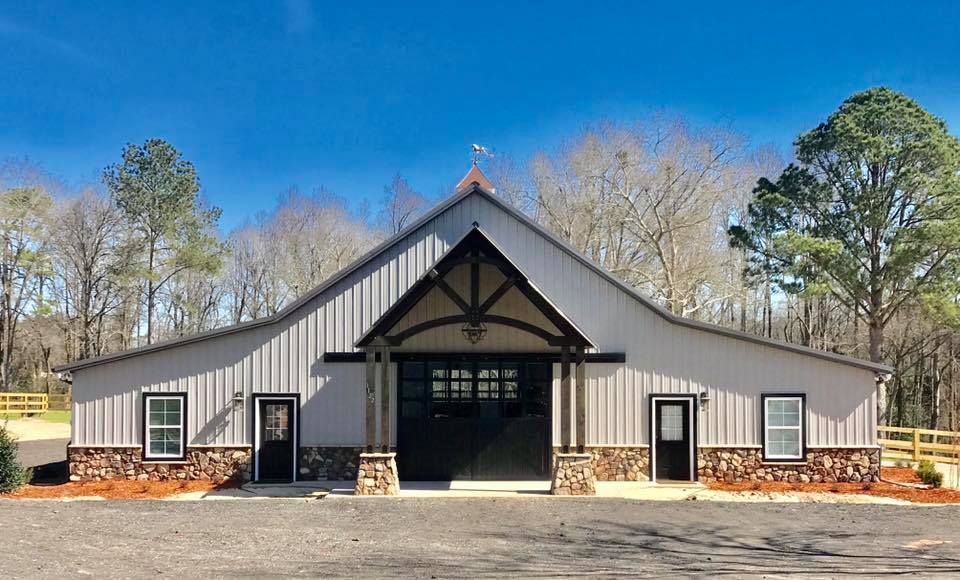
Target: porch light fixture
column 704, row 400
column 474, row 331
column 238, row 400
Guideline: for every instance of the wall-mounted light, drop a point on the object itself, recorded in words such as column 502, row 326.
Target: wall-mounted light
column 704, row 400
column 238, row 400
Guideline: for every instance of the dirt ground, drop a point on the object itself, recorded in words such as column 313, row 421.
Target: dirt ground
column 33, row 429
column 350, row 537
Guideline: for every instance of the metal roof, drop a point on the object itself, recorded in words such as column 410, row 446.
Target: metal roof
column 475, row 188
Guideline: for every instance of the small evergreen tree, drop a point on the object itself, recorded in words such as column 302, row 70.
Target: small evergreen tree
column 12, row 474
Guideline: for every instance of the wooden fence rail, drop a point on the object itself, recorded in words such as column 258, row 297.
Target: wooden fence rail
column 905, row 443
column 23, row 403
column 59, row 402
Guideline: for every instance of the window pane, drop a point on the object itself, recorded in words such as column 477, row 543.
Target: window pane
column 511, row 371
column 163, row 411
column 783, row 442
column 783, row 413
column 438, row 370
column 671, row 422
column 488, row 371
column 157, row 417
column 488, row 390
column 164, row 441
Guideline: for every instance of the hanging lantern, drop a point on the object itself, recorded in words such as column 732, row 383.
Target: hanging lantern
column 474, row 331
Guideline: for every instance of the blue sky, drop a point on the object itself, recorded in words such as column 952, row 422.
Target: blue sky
column 263, row 95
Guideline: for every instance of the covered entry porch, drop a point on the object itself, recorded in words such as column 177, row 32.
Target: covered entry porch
column 473, row 348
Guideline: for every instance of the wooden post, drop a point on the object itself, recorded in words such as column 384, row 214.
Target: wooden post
column 581, row 400
column 385, row 399
column 565, row 398
column 371, row 423
column 916, row 445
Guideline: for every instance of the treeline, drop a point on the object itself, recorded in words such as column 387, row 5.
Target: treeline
column 852, row 246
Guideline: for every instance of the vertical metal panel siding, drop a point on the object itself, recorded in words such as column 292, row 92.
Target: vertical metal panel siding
column 287, row 357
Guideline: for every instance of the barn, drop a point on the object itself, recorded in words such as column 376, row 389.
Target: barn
column 474, row 345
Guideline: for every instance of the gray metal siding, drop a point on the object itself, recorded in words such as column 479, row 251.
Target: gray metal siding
column 286, row 356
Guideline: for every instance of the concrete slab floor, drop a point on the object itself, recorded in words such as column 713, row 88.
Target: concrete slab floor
column 639, row 490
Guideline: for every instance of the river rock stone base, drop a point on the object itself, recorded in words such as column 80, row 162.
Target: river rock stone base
column 377, row 475
column 573, row 475
column 329, row 463
column 823, row 465
column 217, row 464
column 617, row 463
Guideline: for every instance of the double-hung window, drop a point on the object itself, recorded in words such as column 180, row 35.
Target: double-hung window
column 783, row 427
column 164, row 417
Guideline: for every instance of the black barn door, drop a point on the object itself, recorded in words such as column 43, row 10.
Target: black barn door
column 473, row 419
column 673, row 439
column 275, row 457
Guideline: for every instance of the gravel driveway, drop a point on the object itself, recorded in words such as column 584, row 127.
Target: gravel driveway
column 473, row 537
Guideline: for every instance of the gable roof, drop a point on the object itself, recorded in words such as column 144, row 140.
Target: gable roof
column 477, row 239
column 474, row 188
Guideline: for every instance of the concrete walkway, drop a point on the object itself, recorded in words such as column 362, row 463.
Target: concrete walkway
column 449, row 489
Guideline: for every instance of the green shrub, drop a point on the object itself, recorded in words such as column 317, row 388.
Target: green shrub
column 12, row 474
column 928, row 474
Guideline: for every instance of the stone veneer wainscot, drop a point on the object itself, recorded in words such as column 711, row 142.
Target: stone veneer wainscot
column 217, row 464
column 823, row 465
column 617, row 463
column 329, row 463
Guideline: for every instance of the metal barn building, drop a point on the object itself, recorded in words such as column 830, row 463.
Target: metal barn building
column 506, row 355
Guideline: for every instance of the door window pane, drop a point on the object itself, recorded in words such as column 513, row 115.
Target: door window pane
column 671, row 422
column 276, row 422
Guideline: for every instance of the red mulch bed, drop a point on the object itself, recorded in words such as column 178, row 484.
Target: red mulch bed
column 881, row 489
column 115, row 489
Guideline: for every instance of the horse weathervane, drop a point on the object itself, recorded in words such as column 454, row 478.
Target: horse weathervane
column 480, row 151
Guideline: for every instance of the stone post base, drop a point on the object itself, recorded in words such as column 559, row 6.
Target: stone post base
column 573, row 475
column 377, row 475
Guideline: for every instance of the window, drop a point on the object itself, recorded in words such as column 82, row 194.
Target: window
column 783, row 427
column 163, row 425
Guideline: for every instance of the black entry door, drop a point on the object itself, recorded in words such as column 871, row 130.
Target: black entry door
column 476, row 418
column 275, row 458
column 673, row 439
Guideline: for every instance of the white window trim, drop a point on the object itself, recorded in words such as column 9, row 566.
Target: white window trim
column 767, row 427
column 147, row 398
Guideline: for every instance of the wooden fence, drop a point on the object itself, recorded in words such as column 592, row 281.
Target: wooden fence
column 59, row 402
column 905, row 443
column 24, row 403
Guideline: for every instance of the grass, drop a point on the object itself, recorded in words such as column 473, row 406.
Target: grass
column 49, row 416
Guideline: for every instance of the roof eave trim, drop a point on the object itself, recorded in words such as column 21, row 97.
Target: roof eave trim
column 290, row 308
column 664, row 313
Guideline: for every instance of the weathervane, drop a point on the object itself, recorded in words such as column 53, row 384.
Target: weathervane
column 478, row 151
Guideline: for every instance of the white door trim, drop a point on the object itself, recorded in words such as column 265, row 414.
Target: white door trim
column 691, row 426
column 295, row 433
